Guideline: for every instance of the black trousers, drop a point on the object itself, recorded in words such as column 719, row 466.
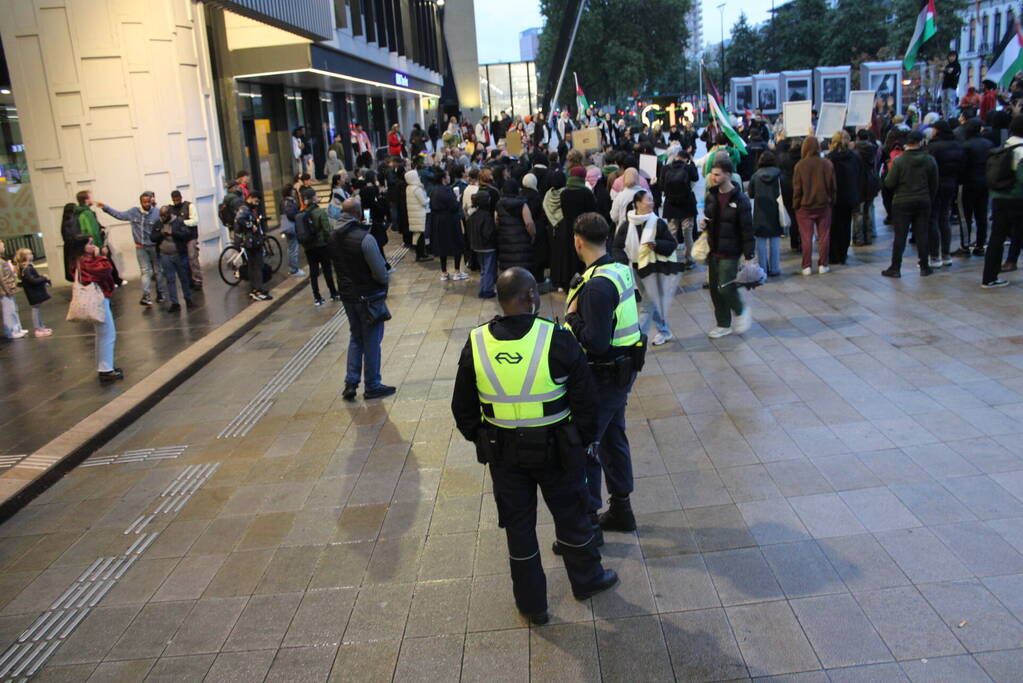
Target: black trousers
column 421, row 245
column 1006, row 215
column 975, row 208
column 841, row 233
column 915, row 215
column 941, row 230
column 319, row 259
column 567, row 499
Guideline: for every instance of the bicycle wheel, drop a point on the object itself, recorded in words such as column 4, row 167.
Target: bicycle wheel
column 272, row 254
column 228, row 273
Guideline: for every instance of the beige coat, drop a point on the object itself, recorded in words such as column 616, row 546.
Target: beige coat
column 417, row 202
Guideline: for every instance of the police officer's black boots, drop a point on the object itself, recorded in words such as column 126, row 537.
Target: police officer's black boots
column 537, row 619
column 619, row 515
column 606, row 580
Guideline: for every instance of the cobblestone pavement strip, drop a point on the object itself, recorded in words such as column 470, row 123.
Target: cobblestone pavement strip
column 837, row 495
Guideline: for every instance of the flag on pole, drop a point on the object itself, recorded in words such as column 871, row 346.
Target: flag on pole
column 711, row 88
column 580, row 98
column 1008, row 56
column 725, row 124
column 924, row 31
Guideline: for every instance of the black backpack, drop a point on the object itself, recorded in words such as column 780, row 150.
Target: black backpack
column 226, row 213
column 304, row 229
column 676, row 182
column 1001, row 176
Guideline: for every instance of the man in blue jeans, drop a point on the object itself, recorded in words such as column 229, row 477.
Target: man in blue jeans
column 144, row 218
column 362, row 275
column 171, row 241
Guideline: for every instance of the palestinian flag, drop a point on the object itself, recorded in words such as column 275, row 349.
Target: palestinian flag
column 580, row 98
column 924, row 31
column 725, row 124
column 1008, row 57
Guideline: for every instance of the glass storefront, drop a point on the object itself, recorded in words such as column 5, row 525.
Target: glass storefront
column 18, row 218
column 508, row 87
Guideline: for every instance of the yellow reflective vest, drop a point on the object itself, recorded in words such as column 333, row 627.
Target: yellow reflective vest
column 626, row 314
column 513, row 378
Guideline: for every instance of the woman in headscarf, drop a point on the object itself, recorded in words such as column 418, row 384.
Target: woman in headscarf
column 645, row 242
column 576, row 199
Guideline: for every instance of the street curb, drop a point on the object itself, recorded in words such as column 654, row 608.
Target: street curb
column 44, row 467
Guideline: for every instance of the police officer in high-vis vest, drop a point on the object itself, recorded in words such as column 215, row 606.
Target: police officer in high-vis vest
column 603, row 315
column 525, row 396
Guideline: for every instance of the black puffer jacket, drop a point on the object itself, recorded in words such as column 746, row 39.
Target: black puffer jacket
column 977, row 149
column 951, row 158
column 514, row 244
column 848, row 176
column 677, row 180
column 871, row 182
column 731, row 233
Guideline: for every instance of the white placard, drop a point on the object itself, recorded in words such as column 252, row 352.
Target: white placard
column 831, row 119
column 798, row 118
column 861, row 106
column 648, row 165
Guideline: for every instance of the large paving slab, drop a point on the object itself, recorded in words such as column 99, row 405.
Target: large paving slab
column 837, row 495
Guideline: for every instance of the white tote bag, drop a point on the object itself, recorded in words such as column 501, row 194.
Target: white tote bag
column 86, row 302
column 783, row 214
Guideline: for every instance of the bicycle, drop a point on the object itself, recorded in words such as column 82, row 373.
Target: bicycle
column 233, row 259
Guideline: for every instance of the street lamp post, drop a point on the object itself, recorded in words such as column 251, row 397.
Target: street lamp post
column 721, row 9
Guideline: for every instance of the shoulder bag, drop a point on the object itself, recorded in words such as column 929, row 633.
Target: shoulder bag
column 86, row 302
column 784, row 220
column 373, row 309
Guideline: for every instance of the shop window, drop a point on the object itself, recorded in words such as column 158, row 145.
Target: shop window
column 520, row 89
column 19, row 223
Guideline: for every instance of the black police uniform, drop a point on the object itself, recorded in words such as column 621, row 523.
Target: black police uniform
column 593, row 323
column 563, row 490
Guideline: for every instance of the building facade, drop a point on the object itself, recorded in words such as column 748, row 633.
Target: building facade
column 694, row 26
column 984, row 25
column 529, row 44
column 180, row 94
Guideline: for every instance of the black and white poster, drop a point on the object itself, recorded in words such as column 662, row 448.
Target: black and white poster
column 743, row 97
column 767, row 96
column 833, row 89
column 797, row 90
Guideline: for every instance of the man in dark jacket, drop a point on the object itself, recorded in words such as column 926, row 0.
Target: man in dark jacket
column 913, row 180
column 679, row 208
column 950, row 84
column 863, row 219
column 975, row 195
column 171, row 237
column 362, row 282
column 848, row 176
column 951, row 160
column 248, row 230
column 316, row 229
column 482, row 240
column 728, row 218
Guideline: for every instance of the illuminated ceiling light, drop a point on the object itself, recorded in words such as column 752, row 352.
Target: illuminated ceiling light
column 440, row 3
column 5, row 91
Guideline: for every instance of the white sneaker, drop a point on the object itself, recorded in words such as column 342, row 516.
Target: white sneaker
column 824, row 269
column 18, row 335
column 460, row 276
column 658, row 339
column 807, row 271
column 934, row 262
column 669, row 336
column 743, row 321
column 947, row 261
column 719, row 332
column 444, row 277
column 298, row 273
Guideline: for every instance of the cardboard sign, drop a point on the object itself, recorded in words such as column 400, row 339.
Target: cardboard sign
column 831, row 119
column 586, row 139
column 648, row 165
column 513, row 143
column 798, row 118
column 861, row 106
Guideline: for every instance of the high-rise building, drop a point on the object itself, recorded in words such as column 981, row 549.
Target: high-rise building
column 529, row 44
column 694, row 25
column 121, row 97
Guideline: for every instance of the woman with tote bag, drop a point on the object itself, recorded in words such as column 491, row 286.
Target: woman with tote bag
column 95, row 269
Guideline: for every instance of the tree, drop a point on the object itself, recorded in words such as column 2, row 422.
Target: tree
column 904, row 14
column 742, row 56
column 621, row 45
column 855, row 34
column 796, row 35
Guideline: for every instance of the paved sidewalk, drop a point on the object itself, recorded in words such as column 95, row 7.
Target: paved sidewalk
column 50, row 384
column 838, row 494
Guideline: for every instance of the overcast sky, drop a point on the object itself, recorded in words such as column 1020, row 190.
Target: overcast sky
column 498, row 23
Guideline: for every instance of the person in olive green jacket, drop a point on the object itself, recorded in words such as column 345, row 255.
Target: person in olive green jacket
column 315, row 244
column 913, row 180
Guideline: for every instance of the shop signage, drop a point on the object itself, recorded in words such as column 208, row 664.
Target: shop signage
column 400, row 79
column 684, row 110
